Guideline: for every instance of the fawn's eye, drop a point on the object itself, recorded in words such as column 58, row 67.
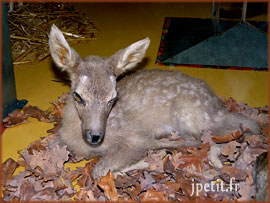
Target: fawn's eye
column 78, row 98
column 112, row 101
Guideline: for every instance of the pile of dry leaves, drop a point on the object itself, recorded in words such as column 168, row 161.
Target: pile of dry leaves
column 181, row 174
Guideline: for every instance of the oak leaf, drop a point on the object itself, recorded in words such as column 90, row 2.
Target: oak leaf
column 107, row 184
column 246, row 191
column 58, row 111
column 233, row 172
column 86, row 173
column 255, row 141
column 134, row 191
column 195, row 159
column 35, row 145
column 155, row 160
column 8, row 168
column 228, row 137
column 35, row 112
column 28, row 193
column 231, row 150
column 185, row 184
column 85, row 195
column 146, row 181
column 152, row 195
column 173, row 186
column 48, row 162
column 15, row 118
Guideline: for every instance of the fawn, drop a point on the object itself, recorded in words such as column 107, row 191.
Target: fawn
column 120, row 121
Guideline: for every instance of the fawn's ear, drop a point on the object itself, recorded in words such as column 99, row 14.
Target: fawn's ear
column 129, row 57
column 63, row 55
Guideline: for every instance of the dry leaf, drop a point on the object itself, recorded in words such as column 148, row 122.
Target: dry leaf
column 152, row 195
column 49, row 161
column 55, row 129
column 185, row 184
column 86, row 173
column 173, row 186
column 249, row 179
column 194, row 160
column 35, row 112
column 155, row 160
column 246, row 191
column 247, row 157
column 233, row 172
column 28, row 193
column 264, row 129
column 232, row 105
column 15, row 118
column 27, row 190
column 169, row 164
column 72, row 175
column 124, row 181
column 231, row 150
column 228, row 137
column 107, row 184
column 146, row 181
column 85, row 195
column 134, row 191
column 57, row 113
column 8, row 168
column 254, row 141
column 35, row 145
column 66, row 193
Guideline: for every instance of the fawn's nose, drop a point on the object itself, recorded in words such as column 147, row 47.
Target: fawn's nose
column 93, row 137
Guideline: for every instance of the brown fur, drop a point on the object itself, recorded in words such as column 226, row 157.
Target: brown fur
column 151, row 104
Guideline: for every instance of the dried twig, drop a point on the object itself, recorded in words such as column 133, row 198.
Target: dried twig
column 30, row 26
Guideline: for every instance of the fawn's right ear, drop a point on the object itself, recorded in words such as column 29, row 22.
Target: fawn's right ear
column 63, row 55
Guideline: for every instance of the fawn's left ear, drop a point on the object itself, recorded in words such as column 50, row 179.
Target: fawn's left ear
column 63, row 55
column 129, row 57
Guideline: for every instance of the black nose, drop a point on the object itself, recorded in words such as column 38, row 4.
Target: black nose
column 93, row 138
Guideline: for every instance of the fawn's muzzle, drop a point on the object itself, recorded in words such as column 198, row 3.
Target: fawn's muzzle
column 93, row 138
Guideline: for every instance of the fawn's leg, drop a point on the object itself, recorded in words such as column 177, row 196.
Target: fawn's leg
column 165, row 143
column 119, row 157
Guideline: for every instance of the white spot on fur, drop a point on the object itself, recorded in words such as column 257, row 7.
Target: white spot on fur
column 113, row 80
column 191, row 92
column 178, row 88
column 220, row 113
column 159, row 99
column 189, row 124
column 185, row 91
column 206, row 102
column 164, row 91
column 197, row 103
column 171, row 81
column 185, row 85
column 83, row 80
column 193, row 86
column 206, row 116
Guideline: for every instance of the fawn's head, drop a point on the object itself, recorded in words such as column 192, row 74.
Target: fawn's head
column 93, row 80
